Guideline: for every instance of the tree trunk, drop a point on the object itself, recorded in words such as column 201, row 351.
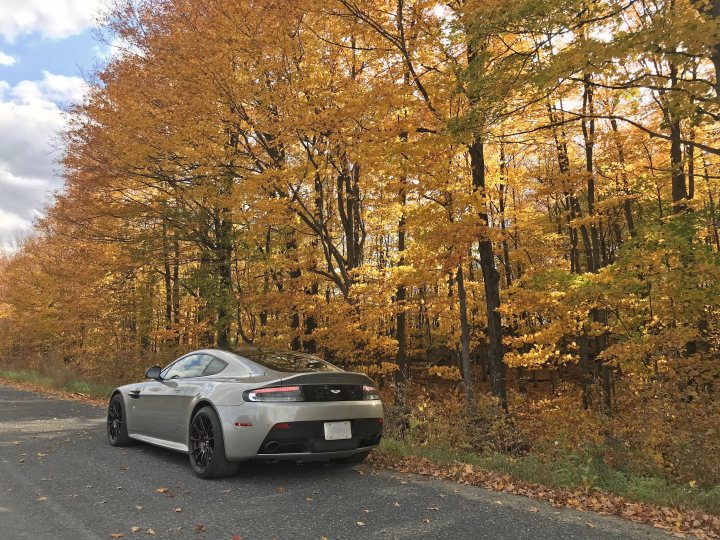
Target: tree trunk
column 491, row 279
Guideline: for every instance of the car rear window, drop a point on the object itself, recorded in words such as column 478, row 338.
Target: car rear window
column 288, row 362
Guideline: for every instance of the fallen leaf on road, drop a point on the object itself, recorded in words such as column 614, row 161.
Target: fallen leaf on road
column 309, row 499
column 359, row 524
column 200, row 528
column 533, row 509
column 117, row 535
column 236, row 537
column 178, row 509
column 591, row 525
column 161, row 490
column 150, row 532
column 280, row 489
column 40, row 499
column 135, row 528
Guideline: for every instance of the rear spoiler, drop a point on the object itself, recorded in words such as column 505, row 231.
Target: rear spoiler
column 329, row 377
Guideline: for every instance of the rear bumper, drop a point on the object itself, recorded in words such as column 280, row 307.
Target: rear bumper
column 246, row 428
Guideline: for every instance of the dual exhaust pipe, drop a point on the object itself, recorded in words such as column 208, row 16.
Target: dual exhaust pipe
column 272, row 446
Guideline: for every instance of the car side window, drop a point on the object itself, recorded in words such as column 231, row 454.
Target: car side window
column 190, row 366
column 214, row 367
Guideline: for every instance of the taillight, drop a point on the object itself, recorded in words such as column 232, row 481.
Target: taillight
column 275, row 393
column 370, row 392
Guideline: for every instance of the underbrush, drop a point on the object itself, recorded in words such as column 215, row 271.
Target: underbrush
column 657, row 446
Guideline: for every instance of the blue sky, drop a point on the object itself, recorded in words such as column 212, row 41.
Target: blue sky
column 34, row 53
column 48, row 49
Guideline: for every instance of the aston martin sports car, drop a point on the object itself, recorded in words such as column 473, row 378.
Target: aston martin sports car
column 223, row 407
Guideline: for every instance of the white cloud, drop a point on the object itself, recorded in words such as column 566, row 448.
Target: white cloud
column 51, row 90
column 31, row 115
column 6, row 59
column 52, row 18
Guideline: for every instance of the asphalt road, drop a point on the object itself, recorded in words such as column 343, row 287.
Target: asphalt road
column 60, row 479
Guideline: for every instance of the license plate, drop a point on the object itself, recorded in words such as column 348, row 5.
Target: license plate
column 335, row 431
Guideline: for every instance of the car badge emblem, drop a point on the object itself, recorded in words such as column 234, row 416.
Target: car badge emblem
column 335, row 390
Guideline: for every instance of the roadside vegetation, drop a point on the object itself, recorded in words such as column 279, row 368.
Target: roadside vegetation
column 505, row 212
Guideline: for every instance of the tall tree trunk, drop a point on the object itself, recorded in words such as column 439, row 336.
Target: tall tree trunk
column 402, row 373
column 491, row 279
column 679, row 189
column 167, row 278
column 224, row 276
column 627, row 202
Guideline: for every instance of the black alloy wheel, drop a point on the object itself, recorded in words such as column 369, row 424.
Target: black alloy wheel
column 117, row 433
column 206, row 449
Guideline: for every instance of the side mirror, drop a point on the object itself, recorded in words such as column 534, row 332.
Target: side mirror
column 153, row 373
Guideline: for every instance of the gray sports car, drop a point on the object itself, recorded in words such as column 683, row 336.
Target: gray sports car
column 223, row 407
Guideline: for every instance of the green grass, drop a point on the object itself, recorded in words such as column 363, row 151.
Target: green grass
column 58, row 382
column 572, row 471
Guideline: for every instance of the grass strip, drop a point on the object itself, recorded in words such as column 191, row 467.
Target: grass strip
column 78, row 388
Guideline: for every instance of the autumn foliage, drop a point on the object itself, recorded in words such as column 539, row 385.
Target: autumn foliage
column 504, row 211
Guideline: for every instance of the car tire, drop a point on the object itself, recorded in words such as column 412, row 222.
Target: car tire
column 206, row 446
column 117, row 432
column 354, row 459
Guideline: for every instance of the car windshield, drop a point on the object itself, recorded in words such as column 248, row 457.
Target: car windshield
column 288, row 362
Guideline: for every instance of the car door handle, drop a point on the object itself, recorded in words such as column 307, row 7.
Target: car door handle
column 135, row 394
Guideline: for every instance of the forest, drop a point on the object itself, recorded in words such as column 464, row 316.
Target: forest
column 506, row 212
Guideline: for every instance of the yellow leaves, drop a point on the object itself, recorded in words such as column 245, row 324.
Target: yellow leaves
column 449, row 373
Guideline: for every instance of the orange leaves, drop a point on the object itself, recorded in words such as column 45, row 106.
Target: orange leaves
column 672, row 520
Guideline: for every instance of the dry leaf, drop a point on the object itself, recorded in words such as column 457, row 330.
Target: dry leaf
column 150, row 532
column 117, row 535
column 200, row 528
column 359, row 523
column 178, row 509
column 161, row 490
column 280, row 489
column 533, row 509
column 135, row 528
